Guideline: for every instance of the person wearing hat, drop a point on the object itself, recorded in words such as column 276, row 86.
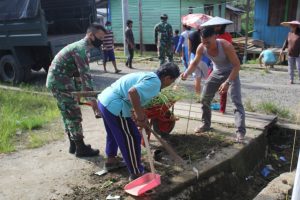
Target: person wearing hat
column 108, row 48
column 224, row 77
column 219, row 25
column 163, row 34
column 292, row 43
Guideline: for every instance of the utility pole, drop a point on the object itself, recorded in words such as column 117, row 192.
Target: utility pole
column 141, row 27
column 125, row 18
column 247, row 29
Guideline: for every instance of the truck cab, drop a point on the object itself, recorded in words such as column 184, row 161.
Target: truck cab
column 33, row 31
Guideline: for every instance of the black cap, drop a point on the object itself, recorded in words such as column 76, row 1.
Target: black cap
column 164, row 16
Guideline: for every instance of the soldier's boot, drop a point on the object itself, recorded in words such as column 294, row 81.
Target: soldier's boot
column 83, row 150
column 72, row 147
column 130, row 64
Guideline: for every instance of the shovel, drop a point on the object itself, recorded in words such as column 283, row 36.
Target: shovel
column 146, row 182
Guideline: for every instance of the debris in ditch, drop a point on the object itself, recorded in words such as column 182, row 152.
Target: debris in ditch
column 282, row 158
column 113, row 197
column 265, row 171
column 270, row 167
column 275, row 156
column 249, row 178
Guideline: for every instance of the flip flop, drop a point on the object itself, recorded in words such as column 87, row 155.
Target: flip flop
column 240, row 139
column 117, row 71
column 201, row 129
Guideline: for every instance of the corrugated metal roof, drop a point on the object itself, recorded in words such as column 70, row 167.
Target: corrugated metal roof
column 234, row 9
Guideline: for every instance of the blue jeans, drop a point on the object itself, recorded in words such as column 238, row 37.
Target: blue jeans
column 211, row 87
column 292, row 61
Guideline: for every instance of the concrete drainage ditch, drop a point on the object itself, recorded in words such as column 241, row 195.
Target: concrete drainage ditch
column 241, row 177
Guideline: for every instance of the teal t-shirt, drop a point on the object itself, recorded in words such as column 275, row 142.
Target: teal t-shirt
column 115, row 97
column 268, row 56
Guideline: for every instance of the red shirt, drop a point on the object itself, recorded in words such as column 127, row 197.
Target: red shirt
column 225, row 36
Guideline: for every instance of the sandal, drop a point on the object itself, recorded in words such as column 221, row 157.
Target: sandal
column 240, row 139
column 114, row 165
column 117, row 71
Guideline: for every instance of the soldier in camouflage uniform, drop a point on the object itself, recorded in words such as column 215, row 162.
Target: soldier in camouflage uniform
column 163, row 34
column 69, row 72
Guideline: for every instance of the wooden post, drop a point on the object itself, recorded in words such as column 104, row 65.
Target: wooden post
column 125, row 17
column 247, row 29
column 141, row 27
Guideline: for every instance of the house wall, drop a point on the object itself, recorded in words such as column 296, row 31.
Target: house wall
column 237, row 21
column 151, row 11
column 272, row 35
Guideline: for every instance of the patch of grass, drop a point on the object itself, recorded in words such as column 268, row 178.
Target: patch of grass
column 21, row 111
column 249, row 106
column 272, row 108
column 264, row 72
column 247, row 68
column 254, row 61
column 37, row 139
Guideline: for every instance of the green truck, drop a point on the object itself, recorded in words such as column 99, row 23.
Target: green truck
column 33, row 31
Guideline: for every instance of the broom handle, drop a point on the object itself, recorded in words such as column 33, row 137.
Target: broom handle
column 148, row 151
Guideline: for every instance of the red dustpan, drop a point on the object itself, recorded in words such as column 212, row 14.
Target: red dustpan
column 146, row 182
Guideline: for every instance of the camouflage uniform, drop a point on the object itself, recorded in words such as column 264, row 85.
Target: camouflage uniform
column 69, row 72
column 163, row 38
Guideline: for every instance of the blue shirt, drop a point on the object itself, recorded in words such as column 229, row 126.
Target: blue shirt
column 116, row 99
column 268, row 56
column 175, row 40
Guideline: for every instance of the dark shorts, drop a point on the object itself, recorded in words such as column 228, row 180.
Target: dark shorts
column 108, row 55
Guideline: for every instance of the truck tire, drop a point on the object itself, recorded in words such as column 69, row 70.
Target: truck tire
column 10, row 70
column 27, row 73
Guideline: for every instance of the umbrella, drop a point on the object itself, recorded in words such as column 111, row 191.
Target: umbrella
column 295, row 22
column 195, row 20
column 216, row 21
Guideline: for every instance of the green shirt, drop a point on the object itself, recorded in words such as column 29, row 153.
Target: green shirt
column 70, row 67
column 163, row 31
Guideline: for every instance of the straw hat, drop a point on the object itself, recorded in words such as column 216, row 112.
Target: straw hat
column 295, row 22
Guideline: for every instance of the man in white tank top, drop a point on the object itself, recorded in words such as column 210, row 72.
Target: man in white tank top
column 225, row 76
